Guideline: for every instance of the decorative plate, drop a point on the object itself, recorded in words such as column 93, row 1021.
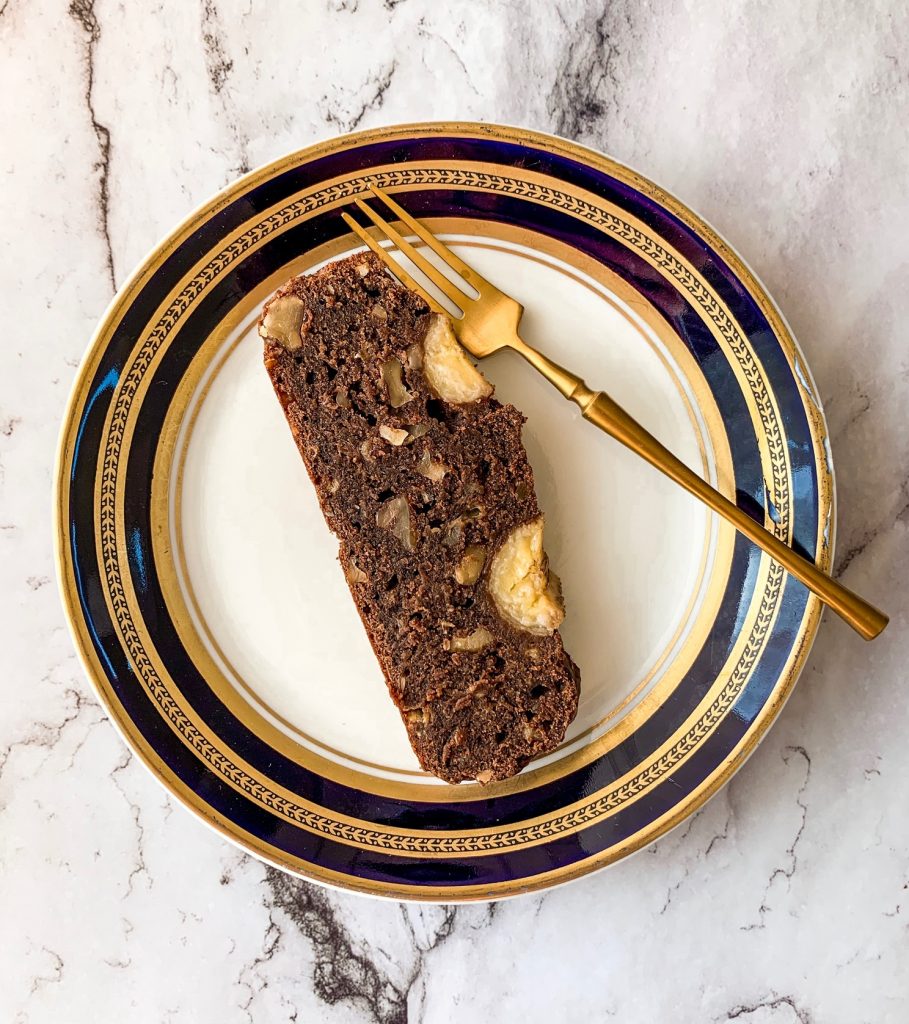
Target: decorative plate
column 224, row 645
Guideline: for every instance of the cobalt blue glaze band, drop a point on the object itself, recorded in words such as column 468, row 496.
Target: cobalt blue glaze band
column 204, row 317
column 202, row 321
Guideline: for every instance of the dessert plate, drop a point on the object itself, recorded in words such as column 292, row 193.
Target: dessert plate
column 201, row 583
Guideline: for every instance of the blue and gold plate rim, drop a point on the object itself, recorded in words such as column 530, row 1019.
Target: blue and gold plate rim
column 340, row 828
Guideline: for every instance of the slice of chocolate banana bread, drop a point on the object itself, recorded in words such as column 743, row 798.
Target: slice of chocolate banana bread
column 421, row 473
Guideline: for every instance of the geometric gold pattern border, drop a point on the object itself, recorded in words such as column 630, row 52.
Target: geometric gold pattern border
column 310, row 816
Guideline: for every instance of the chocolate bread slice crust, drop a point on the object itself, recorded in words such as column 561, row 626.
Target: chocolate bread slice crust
column 421, row 474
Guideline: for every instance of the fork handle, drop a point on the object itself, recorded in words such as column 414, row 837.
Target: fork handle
column 602, row 411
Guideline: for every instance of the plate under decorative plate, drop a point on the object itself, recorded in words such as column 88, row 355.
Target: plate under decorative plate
column 200, row 580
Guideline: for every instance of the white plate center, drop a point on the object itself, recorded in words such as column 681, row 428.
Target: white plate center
column 630, row 546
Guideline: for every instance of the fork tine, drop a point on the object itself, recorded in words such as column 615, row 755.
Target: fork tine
column 441, row 250
column 392, row 264
column 450, row 290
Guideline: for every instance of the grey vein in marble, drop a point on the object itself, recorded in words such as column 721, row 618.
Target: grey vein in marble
column 83, row 11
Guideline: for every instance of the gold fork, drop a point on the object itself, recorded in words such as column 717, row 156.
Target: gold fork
column 489, row 321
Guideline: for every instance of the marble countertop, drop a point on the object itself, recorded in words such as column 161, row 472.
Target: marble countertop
column 786, row 899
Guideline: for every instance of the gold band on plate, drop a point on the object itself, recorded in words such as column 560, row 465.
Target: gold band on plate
column 167, row 547
column 762, row 409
